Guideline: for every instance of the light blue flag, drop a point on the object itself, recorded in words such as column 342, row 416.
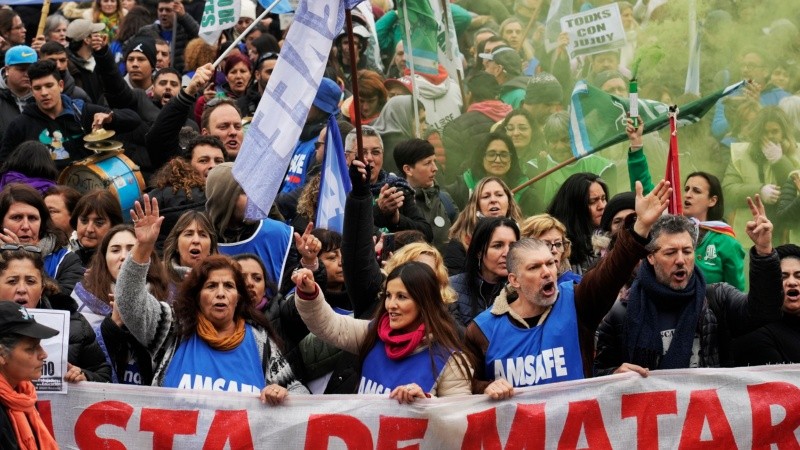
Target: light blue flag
column 284, row 7
column 267, row 148
column 335, row 182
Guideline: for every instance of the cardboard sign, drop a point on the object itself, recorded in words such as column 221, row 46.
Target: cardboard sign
column 594, row 31
column 55, row 366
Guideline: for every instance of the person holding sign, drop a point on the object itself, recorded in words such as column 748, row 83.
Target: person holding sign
column 23, row 281
column 21, row 360
column 213, row 338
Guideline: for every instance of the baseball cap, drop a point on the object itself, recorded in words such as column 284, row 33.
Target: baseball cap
column 20, row 54
column 14, row 318
column 80, row 29
column 404, row 82
column 506, row 57
column 328, row 96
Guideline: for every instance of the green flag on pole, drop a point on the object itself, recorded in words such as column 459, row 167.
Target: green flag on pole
column 424, row 50
column 597, row 120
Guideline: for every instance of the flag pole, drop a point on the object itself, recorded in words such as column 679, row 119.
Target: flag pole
column 351, row 49
column 410, row 51
column 530, row 23
column 547, row 172
column 243, row 34
column 43, row 17
column 673, row 174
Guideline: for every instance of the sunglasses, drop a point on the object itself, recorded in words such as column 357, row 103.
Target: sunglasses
column 266, row 56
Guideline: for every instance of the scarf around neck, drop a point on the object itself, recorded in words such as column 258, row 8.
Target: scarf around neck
column 643, row 335
column 25, row 420
column 399, row 345
column 207, row 332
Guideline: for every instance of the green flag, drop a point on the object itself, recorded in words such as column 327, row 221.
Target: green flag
column 597, row 120
column 423, row 46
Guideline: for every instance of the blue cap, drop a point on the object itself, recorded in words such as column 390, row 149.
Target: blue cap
column 20, row 54
column 328, row 96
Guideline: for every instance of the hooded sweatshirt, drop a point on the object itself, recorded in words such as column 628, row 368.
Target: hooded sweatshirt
column 441, row 97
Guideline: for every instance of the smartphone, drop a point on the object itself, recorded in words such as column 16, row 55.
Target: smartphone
column 388, row 246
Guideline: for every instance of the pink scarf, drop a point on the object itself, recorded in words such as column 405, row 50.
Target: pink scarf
column 399, row 345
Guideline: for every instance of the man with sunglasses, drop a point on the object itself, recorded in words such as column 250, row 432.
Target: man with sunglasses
column 265, row 64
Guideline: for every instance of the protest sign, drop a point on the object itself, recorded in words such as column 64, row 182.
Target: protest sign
column 594, row 31
column 689, row 408
column 55, row 366
column 218, row 15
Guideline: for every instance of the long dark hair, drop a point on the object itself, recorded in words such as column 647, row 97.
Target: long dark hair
column 424, row 289
column 98, row 279
column 33, row 159
column 22, row 193
column 480, row 244
column 514, row 173
column 171, row 254
column 566, row 207
column 716, row 212
column 187, row 304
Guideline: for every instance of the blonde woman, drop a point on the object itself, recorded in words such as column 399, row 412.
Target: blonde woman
column 553, row 233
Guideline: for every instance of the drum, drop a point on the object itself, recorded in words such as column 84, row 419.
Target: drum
column 111, row 171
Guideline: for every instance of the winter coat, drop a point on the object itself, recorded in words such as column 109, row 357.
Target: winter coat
column 82, row 350
column 469, row 304
column 152, row 322
column 187, row 29
column 465, row 134
column 775, row 343
column 727, row 314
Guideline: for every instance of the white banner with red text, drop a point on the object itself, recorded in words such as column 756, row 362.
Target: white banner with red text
column 697, row 408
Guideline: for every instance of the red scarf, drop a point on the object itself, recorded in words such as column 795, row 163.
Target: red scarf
column 24, row 418
column 399, row 345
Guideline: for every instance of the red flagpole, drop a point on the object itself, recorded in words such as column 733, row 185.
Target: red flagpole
column 351, row 49
column 673, row 174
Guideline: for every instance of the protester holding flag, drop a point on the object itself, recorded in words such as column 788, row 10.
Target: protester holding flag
column 761, row 165
column 213, row 335
column 409, row 350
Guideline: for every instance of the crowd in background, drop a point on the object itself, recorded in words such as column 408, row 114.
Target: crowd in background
column 445, row 280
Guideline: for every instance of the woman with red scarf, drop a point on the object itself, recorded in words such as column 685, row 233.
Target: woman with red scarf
column 21, row 360
column 409, row 350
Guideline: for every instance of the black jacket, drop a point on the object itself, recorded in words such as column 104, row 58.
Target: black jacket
column 162, row 140
column 74, row 122
column 184, row 30
column 775, row 343
column 461, row 139
column 172, row 205
column 727, row 313
column 120, row 345
column 411, row 217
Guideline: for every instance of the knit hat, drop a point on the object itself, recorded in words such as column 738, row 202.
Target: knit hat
column 603, row 77
column 483, row 85
column 20, row 54
column 543, row 88
column 222, row 191
column 328, row 96
column 507, row 58
column 236, row 58
column 412, row 150
column 144, row 45
column 248, row 10
column 80, row 29
column 623, row 200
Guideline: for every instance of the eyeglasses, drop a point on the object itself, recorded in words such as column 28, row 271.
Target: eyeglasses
column 14, row 247
column 493, row 156
column 558, row 245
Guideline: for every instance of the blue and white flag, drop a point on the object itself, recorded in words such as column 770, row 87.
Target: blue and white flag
column 218, row 16
column 267, row 148
column 284, row 7
column 335, row 182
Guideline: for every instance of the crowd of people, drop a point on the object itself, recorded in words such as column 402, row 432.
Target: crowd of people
column 445, row 279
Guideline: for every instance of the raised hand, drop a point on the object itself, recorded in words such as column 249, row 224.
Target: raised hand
column 650, row 207
column 146, row 222
column 760, row 228
column 634, row 134
column 303, row 279
column 307, row 245
column 201, row 77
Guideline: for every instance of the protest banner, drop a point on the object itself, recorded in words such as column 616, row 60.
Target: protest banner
column 688, row 408
column 55, row 366
column 594, row 31
column 218, row 15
